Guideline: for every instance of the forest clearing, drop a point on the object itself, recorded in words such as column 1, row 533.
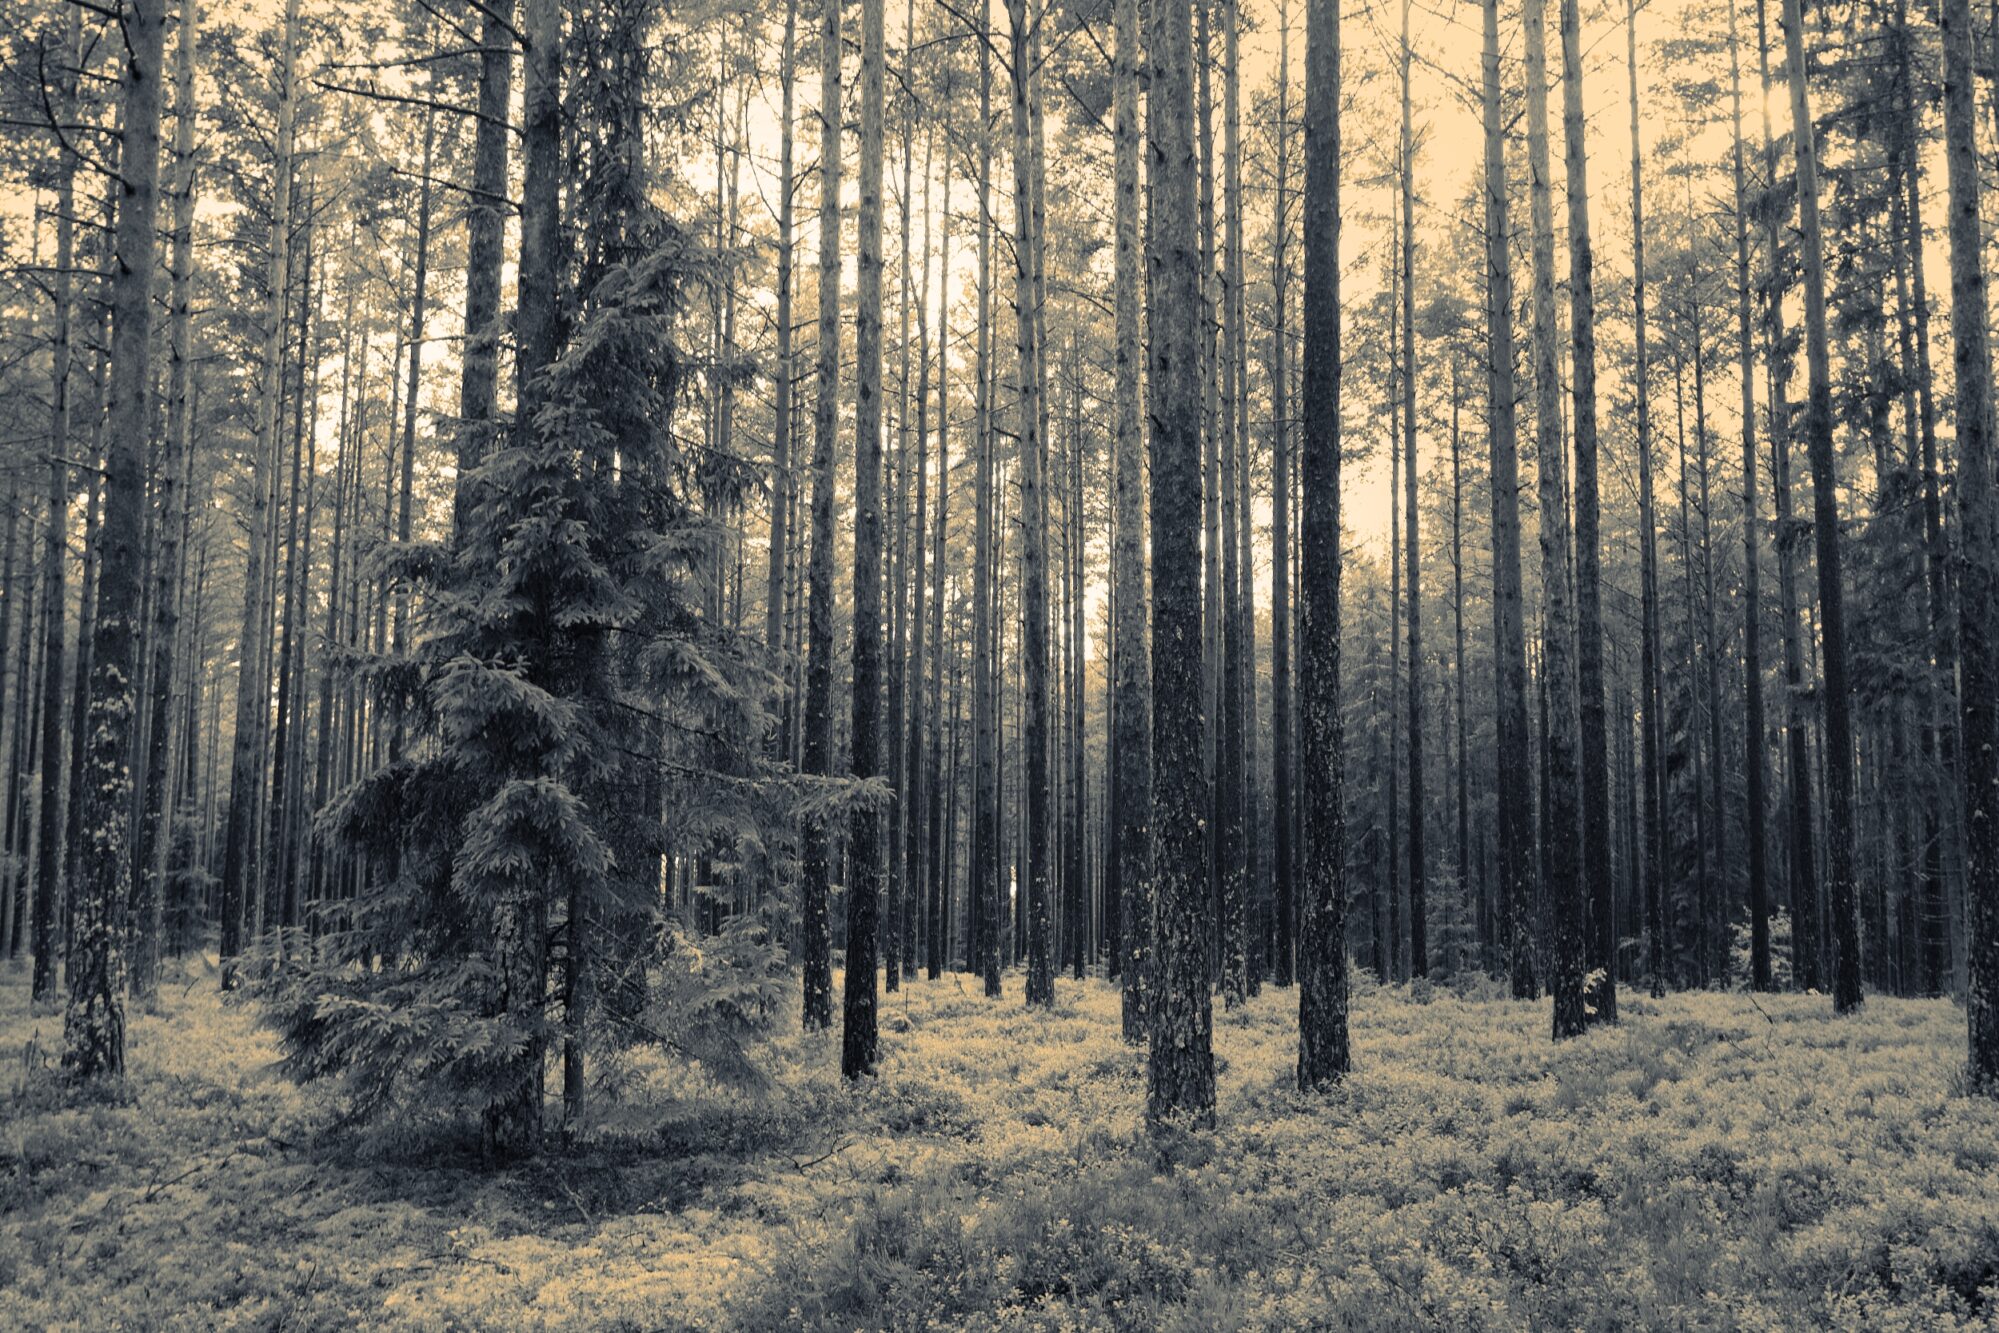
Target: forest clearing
column 1717, row 1161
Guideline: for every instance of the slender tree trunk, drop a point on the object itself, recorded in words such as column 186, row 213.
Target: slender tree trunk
column 94, row 1022
column 1132, row 720
column 1419, row 939
column 1284, row 876
column 1516, row 814
column 1825, row 505
column 485, row 244
column 1806, row 937
column 1596, row 907
column 1752, row 650
column 815, row 851
column 1650, row 725
column 940, row 847
column 239, row 861
column 864, row 837
column 49, row 858
column 1561, row 814
column 984, row 875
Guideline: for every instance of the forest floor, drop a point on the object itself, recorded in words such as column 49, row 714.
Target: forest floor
column 1715, row 1161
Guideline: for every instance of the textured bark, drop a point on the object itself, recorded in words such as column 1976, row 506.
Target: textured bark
column 1324, row 1054
column 1181, row 1072
column 864, row 836
column 1840, row 903
column 940, row 846
column 1978, row 569
column 94, row 1021
column 814, row 841
column 485, row 249
column 1509, row 632
column 1562, row 886
column 1132, row 703
column 512, row 1121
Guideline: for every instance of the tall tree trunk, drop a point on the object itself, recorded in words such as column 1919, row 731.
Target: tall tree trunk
column 1650, row 725
column 485, row 244
column 94, row 1021
column 1419, row 940
column 512, row 1121
column 1752, row 609
column 1284, row 872
column 1562, row 888
column 49, row 856
column 864, row 837
column 984, row 872
column 156, row 830
column 1324, row 1054
column 1228, row 720
column 1034, row 517
column 1181, row 1071
column 1132, row 719
column 1978, row 571
column 1595, row 908
column 1825, row 519
column 1806, row 936
column 781, row 483
column 1509, row 631
column 239, row 861
column 815, row 851
column 940, row 848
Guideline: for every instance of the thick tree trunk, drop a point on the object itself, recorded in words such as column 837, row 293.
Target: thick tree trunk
column 1324, row 1054
column 1978, row 570
column 1181, row 1072
column 94, row 1022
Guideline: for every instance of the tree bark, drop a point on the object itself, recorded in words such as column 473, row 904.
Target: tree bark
column 1324, row 1053
column 94, row 1021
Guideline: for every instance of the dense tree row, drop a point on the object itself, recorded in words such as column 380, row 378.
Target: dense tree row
column 492, row 609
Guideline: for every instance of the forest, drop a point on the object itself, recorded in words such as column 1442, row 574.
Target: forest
column 1038, row 664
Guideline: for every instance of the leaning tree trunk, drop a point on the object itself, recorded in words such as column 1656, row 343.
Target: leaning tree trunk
column 94, row 1022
